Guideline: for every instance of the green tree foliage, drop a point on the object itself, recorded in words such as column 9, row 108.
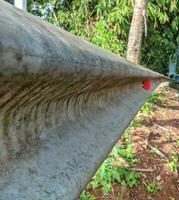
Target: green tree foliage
column 163, row 33
column 106, row 23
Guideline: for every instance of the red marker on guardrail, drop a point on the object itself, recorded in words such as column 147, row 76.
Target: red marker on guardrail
column 146, row 84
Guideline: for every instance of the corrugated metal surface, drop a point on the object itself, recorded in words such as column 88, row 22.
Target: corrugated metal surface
column 63, row 105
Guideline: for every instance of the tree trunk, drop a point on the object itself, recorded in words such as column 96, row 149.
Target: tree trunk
column 136, row 30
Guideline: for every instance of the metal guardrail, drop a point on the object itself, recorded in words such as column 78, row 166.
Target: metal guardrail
column 64, row 104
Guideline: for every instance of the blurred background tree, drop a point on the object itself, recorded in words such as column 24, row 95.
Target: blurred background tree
column 138, row 24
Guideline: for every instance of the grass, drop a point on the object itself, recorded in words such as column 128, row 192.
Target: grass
column 177, row 142
column 171, row 198
column 86, row 196
column 136, row 122
column 152, row 187
column 172, row 164
column 113, row 170
column 155, row 98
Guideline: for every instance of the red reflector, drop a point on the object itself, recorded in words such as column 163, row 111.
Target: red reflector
column 146, row 84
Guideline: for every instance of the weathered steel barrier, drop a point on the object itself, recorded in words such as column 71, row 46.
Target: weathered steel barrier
column 63, row 105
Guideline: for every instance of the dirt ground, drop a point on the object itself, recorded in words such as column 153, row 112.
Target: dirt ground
column 153, row 143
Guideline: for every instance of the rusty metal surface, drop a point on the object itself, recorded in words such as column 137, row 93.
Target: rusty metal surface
column 63, row 105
